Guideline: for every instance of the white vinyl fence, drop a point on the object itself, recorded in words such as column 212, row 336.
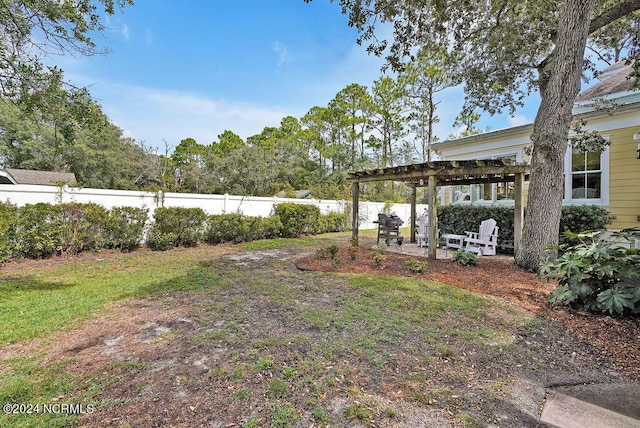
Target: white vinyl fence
column 23, row 194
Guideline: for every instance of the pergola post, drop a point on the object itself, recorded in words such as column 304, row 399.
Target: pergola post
column 355, row 196
column 518, row 211
column 413, row 213
column 432, row 229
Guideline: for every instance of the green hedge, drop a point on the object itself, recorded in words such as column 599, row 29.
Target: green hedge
column 575, row 218
column 238, row 228
column 124, row 228
column 8, row 216
column 176, row 227
column 460, row 218
column 297, row 219
column 40, row 230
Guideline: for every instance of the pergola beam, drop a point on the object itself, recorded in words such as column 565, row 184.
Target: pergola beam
column 445, row 173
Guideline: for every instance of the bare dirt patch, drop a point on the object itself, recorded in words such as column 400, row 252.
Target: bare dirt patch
column 275, row 345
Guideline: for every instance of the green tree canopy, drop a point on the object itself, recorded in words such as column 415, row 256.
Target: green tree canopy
column 507, row 49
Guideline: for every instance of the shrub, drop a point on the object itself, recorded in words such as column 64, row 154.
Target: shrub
column 297, row 219
column 184, row 227
column 416, row 266
column 266, row 227
column 124, row 228
column 596, row 275
column 378, row 255
column 82, row 227
column 225, row 228
column 161, row 241
column 8, row 214
column 575, row 218
column 332, row 222
column 465, row 258
column 38, row 230
column 582, row 218
column 237, row 228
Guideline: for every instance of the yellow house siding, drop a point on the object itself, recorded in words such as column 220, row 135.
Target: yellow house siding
column 624, row 179
column 623, row 167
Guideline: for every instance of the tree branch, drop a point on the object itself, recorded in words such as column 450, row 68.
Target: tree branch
column 613, row 14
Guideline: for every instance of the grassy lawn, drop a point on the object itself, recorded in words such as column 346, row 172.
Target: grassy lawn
column 273, row 346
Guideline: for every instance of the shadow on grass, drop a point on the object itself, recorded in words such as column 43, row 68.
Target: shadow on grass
column 29, row 283
column 200, row 278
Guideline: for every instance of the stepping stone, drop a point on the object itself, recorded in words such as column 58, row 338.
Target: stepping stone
column 614, row 405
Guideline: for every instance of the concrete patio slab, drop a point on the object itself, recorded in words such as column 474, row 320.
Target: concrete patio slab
column 615, row 405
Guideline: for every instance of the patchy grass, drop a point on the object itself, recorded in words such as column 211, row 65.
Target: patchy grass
column 274, row 346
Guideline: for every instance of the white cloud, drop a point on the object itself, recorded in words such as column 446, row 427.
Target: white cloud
column 148, row 36
column 155, row 115
column 519, row 119
column 126, row 33
column 282, row 53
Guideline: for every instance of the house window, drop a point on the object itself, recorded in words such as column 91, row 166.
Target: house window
column 586, row 176
column 487, row 193
column 462, row 193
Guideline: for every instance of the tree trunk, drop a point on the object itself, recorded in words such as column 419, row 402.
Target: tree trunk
column 559, row 84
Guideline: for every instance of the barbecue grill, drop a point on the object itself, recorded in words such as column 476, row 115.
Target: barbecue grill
column 389, row 228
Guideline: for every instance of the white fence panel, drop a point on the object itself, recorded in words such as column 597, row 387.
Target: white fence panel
column 211, row 204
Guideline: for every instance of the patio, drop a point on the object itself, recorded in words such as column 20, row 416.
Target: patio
column 413, row 250
column 445, row 173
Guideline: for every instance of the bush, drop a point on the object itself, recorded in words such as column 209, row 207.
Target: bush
column 266, row 227
column 416, row 266
column 582, row 218
column 82, row 227
column 38, row 230
column 332, row 222
column 297, row 220
column 465, row 258
column 124, row 228
column 237, row 228
column 224, row 228
column 162, row 241
column 184, row 227
column 460, row 218
column 575, row 218
column 8, row 215
column 596, row 275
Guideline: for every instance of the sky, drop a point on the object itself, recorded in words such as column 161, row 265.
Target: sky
column 195, row 68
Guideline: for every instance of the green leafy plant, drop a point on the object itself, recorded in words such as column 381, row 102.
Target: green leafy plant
column 378, row 255
column 278, row 388
column 297, row 219
column 8, row 214
column 575, row 218
column 38, row 230
column 596, row 275
column 177, row 226
column 124, row 227
column 416, row 266
column 465, row 258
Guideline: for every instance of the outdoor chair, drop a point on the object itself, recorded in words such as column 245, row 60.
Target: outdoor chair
column 422, row 231
column 485, row 241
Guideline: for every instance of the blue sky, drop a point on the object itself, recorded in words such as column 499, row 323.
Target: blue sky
column 195, row 68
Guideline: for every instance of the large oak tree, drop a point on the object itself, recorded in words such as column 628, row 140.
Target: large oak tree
column 508, row 48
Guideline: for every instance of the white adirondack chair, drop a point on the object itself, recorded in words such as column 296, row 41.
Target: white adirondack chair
column 422, row 231
column 485, row 241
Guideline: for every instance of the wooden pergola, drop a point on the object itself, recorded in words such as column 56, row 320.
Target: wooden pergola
column 445, row 173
